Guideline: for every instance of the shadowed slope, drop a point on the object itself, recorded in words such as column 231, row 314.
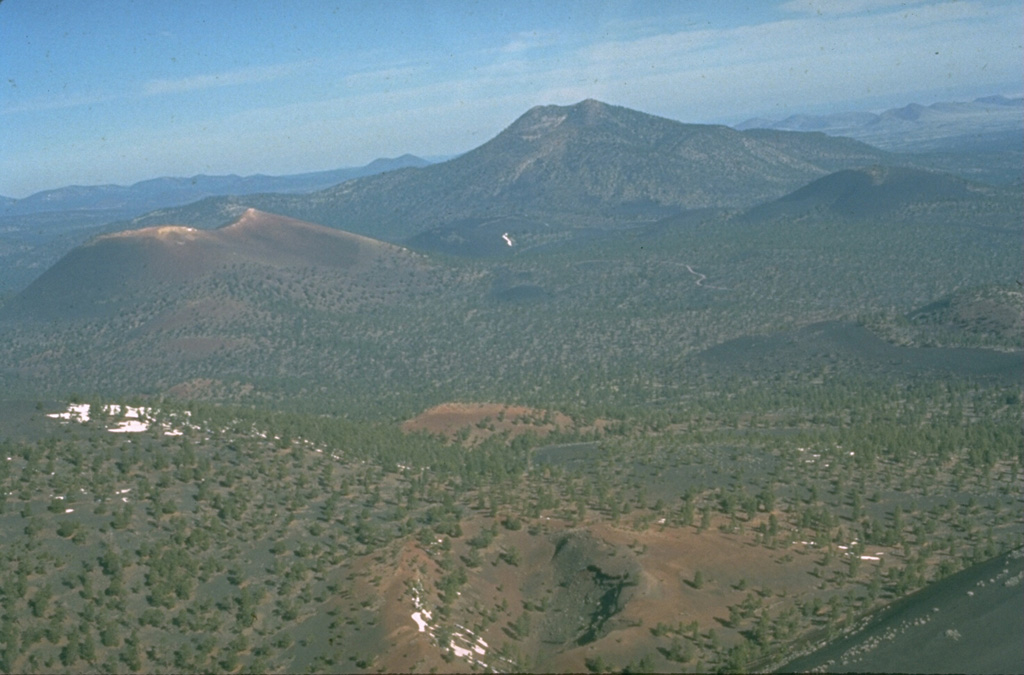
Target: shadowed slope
column 875, row 191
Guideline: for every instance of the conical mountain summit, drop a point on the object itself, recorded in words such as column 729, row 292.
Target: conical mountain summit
column 588, row 164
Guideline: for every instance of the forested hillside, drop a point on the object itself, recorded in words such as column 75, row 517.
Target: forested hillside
column 619, row 395
column 617, row 320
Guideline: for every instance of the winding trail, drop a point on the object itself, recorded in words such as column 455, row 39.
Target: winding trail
column 701, row 278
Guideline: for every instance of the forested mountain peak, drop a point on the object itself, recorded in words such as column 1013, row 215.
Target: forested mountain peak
column 590, row 163
column 589, row 114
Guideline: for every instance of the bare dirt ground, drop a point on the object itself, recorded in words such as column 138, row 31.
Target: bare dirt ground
column 409, row 649
column 483, row 420
column 731, row 566
column 665, row 560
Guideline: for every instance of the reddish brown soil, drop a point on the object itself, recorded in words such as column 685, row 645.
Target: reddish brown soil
column 669, row 558
column 486, row 419
column 406, row 648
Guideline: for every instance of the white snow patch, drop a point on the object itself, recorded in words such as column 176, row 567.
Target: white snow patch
column 463, row 643
column 418, row 618
column 78, row 412
column 134, row 419
column 129, row 427
column 459, row 651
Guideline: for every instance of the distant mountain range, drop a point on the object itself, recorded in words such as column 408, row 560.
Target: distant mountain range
column 585, row 165
column 556, row 171
column 37, row 230
column 127, row 201
column 989, row 123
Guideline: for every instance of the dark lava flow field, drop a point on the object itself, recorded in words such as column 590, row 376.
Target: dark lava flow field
column 971, row 622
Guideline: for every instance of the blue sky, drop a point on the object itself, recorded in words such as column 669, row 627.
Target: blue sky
column 117, row 92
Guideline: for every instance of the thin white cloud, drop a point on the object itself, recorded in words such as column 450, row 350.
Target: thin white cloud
column 226, row 78
column 795, row 61
column 156, row 87
column 58, row 102
column 528, row 40
column 834, row 7
column 709, row 74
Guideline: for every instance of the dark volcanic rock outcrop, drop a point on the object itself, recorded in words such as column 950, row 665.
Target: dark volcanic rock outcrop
column 594, row 583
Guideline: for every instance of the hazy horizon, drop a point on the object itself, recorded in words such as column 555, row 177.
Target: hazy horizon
column 123, row 92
